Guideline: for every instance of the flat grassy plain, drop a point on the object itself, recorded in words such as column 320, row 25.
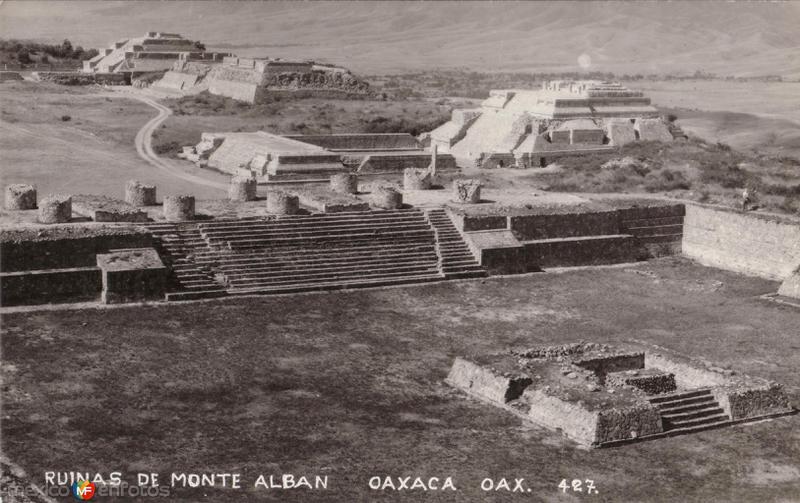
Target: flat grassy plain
column 79, row 141
column 350, row 385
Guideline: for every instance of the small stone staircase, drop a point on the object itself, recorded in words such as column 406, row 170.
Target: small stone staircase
column 690, row 411
column 456, row 260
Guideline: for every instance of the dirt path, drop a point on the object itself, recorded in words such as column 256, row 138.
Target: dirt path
column 144, row 145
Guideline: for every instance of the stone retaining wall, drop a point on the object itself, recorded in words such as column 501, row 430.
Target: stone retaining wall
column 55, row 285
column 741, row 242
column 30, row 253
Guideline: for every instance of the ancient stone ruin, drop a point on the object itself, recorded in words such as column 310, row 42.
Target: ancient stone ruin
column 312, row 158
column 529, row 128
column 252, row 80
column 388, row 198
column 138, row 194
column 20, row 197
column 155, row 51
column 55, row 208
column 466, row 191
column 600, row 395
column 178, row 208
column 242, row 188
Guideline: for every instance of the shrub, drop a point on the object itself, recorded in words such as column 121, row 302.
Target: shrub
column 66, row 118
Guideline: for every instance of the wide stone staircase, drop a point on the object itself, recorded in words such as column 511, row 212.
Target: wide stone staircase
column 311, row 252
column 690, row 411
column 456, row 259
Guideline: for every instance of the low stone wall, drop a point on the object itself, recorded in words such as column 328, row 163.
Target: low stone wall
column 472, row 223
column 498, row 251
column 573, row 420
column 65, row 246
column 686, row 376
column 753, row 402
column 742, row 242
column 328, row 201
column 357, row 142
column 658, row 229
column 528, row 227
column 653, row 383
column 627, row 423
column 47, row 286
column 396, row 163
column 581, row 251
column 612, row 363
column 83, row 79
column 106, row 209
column 483, row 382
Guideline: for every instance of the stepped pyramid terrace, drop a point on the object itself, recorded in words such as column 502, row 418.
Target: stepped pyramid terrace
column 155, row 51
column 528, row 128
column 601, row 395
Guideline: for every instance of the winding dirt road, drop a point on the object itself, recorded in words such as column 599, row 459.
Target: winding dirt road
column 144, row 144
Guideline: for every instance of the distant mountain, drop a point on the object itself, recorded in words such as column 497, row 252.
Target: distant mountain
column 728, row 38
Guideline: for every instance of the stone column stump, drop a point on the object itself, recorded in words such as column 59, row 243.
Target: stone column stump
column 55, row 209
column 138, row 194
column 417, row 179
column 344, row 183
column 242, row 189
column 20, row 197
column 282, row 203
column 178, row 208
column 387, row 198
column 466, row 191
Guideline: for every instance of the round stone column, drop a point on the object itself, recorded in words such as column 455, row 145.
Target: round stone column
column 387, row 198
column 178, row 208
column 416, row 179
column 344, row 183
column 282, row 203
column 138, row 194
column 242, row 188
column 55, row 209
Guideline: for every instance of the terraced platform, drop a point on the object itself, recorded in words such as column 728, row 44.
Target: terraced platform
column 312, row 252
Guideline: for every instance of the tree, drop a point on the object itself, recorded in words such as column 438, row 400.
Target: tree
column 200, row 46
column 24, row 57
column 66, row 48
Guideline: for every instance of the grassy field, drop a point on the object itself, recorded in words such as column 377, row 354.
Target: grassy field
column 79, row 140
column 208, row 113
column 350, row 385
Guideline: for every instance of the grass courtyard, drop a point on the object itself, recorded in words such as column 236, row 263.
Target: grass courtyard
column 350, row 385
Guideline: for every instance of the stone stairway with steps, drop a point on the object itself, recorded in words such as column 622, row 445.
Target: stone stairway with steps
column 690, row 411
column 178, row 244
column 455, row 259
column 323, row 252
column 301, row 253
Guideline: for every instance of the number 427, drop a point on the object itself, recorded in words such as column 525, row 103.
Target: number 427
column 577, row 485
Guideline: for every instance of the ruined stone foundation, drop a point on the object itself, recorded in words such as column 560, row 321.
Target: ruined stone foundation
column 281, row 203
column 344, row 183
column 137, row 194
column 387, row 198
column 242, row 189
column 417, row 179
column 466, row 191
column 55, row 209
column 178, row 208
column 20, row 197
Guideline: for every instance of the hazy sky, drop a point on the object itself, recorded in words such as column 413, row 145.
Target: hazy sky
column 754, row 37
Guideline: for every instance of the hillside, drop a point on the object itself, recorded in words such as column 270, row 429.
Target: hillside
column 741, row 39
